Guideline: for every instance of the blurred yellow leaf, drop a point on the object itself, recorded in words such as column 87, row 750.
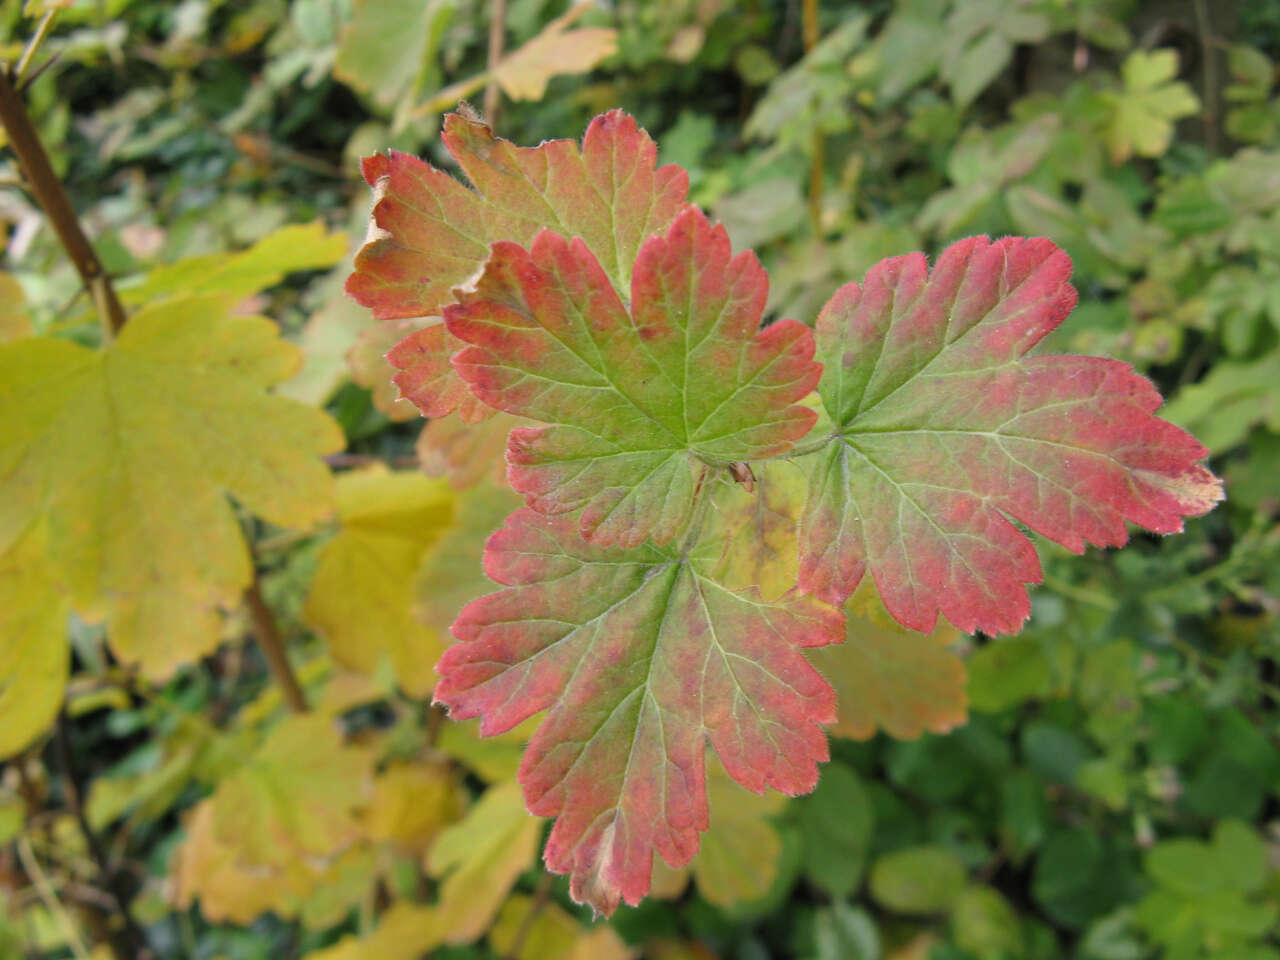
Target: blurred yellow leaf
column 492, row 759
column 361, row 599
column 552, row 934
column 298, row 796
column 326, row 338
column 523, row 75
column 412, row 803
column 34, row 657
column 237, row 275
column 480, row 858
column 891, row 678
column 207, row 869
column 467, row 454
column 405, row 932
column 737, row 861
column 130, row 451
column 14, row 321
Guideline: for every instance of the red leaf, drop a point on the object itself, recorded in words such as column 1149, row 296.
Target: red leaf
column 639, row 658
column 642, row 405
column 944, row 432
column 429, row 232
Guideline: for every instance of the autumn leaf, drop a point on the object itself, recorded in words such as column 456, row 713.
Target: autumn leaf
column 737, row 861
column 237, row 275
column 369, row 367
column 639, row 658
column 893, row 679
column 129, row 454
column 551, row 934
column 647, row 402
column 298, row 797
column 479, row 859
column 15, row 322
column 34, row 657
column 411, row 804
column 362, row 595
column 944, row 433
column 523, row 74
column 405, row 931
column 428, row 233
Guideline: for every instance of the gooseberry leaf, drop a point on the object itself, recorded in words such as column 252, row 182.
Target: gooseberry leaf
column 945, row 432
column 361, row 596
column 643, row 403
column 639, row 658
column 428, row 232
column 129, row 454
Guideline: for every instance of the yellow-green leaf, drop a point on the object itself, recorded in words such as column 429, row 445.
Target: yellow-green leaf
column 412, row 803
column 237, row 275
column 34, row 657
column 14, row 321
column 298, row 797
column 480, row 857
column 1143, row 113
column 129, row 452
column 551, row 934
column 362, row 597
column 891, row 678
column 405, row 932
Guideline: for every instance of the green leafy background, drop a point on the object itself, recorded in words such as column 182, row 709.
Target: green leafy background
column 1114, row 793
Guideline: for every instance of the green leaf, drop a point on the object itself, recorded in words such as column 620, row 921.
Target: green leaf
column 1142, row 114
column 836, row 824
column 918, row 880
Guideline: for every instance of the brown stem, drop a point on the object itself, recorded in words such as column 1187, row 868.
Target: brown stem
column 818, row 148
column 272, row 646
column 497, row 40
column 128, row 942
column 52, row 197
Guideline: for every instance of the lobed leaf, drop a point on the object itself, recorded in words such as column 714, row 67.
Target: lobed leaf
column 945, row 432
column 639, row 658
column 361, row 597
column 644, row 403
column 429, row 233
column 129, row 453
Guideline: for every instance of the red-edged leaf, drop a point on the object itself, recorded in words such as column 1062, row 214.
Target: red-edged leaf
column 429, row 232
column 427, row 378
column 639, row 658
column 945, row 432
column 642, row 403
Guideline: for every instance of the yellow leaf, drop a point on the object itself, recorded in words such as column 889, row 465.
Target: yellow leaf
column 492, row 758
column 551, row 935
column 207, row 869
column 891, row 678
column 760, row 529
column 237, row 275
column 405, row 932
column 412, row 803
column 737, row 861
column 523, row 75
column 361, row 599
column 129, row 453
column 34, row 657
column 14, row 321
column 297, row 798
column 480, row 858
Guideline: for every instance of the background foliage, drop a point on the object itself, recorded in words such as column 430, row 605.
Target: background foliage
column 1113, row 795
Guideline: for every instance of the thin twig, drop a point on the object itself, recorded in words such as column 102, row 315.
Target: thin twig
column 1209, row 66
column 128, row 942
column 33, row 45
column 49, row 897
column 497, row 41
column 272, row 646
column 818, row 147
column 52, row 197
column 541, row 896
